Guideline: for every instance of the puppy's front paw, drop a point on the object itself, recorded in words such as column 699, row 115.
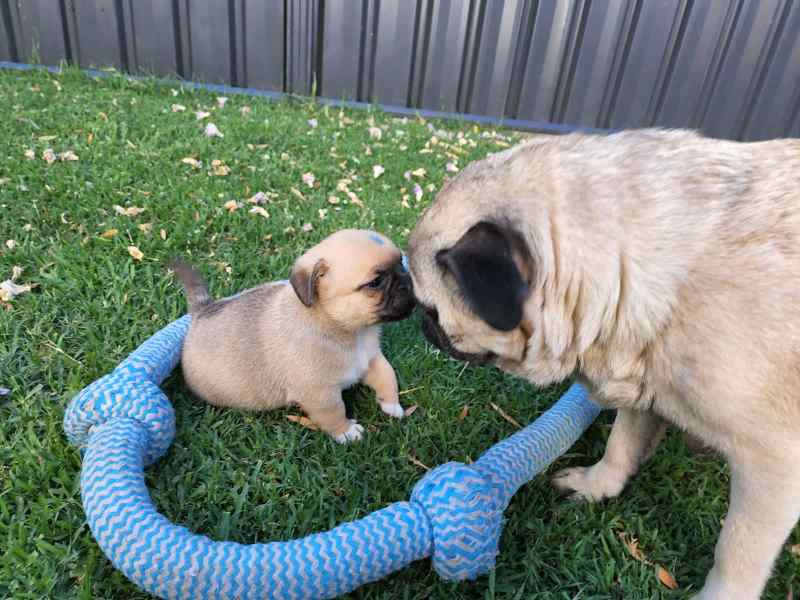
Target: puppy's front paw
column 393, row 409
column 589, row 483
column 352, row 434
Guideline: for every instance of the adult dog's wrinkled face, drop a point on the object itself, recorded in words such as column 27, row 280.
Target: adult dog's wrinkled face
column 472, row 291
column 355, row 278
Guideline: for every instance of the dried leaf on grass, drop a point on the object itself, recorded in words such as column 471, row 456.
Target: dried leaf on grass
column 135, row 253
column 309, row 179
column 178, row 108
column 377, row 171
column 410, row 410
column 49, row 156
column 219, row 169
column 666, row 578
column 109, row 233
column 506, row 416
column 464, row 412
column 201, row 114
column 632, row 546
column 303, row 422
column 414, row 460
column 232, row 205
column 30, row 154
column 193, row 162
column 258, row 210
column 10, row 290
column 212, row 130
column 131, row 211
column 258, row 198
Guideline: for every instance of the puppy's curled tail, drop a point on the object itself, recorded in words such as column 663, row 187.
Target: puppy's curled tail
column 196, row 289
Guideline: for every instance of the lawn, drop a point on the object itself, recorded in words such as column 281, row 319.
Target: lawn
column 79, row 157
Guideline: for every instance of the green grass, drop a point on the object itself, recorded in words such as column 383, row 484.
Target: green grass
column 260, row 477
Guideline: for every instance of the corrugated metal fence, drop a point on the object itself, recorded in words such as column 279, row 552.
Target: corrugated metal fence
column 728, row 67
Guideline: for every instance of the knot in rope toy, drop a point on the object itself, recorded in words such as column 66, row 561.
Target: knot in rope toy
column 124, row 422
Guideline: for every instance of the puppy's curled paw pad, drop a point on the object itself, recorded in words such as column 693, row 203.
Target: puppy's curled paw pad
column 591, row 484
column 352, row 434
column 393, row 409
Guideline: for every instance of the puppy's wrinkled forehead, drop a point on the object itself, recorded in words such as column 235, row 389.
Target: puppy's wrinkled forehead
column 356, row 255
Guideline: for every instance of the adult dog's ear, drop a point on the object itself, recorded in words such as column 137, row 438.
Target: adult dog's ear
column 305, row 279
column 482, row 263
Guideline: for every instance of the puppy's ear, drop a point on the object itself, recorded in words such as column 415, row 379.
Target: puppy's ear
column 482, row 263
column 305, row 280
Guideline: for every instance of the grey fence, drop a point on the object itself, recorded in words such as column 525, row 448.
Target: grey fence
column 728, row 67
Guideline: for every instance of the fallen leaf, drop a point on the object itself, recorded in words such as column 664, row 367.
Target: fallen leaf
column 795, row 550
column 309, row 179
column 193, row 162
column 257, row 198
column 201, row 114
column 109, row 233
column 298, row 193
column 354, row 199
column 333, row 200
column 464, row 412
column 284, row 156
column 258, row 210
column 506, row 416
column 163, row 234
column 219, row 168
column 377, row 171
column 178, row 108
column 11, row 244
column 9, row 290
column 135, row 253
column 666, row 578
column 221, row 101
column 307, row 227
column 419, row 172
column 49, row 156
column 312, row 123
column 419, row 463
column 47, row 138
column 375, row 133
column 131, row 211
column 211, row 130
column 417, row 192
column 27, row 227
column 30, row 154
column 451, row 167
column 632, row 546
column 16, row 271
column 410, row 410
column 303, row 422
column 231, row 205
column 245, row 110
column 145, row 227
column 323, row 213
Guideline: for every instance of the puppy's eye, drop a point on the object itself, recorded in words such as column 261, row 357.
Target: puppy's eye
column 376, row 283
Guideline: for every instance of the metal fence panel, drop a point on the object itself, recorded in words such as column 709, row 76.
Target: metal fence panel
column 728, row 67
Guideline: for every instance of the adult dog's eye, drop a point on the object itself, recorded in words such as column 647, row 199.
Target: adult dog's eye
column 377, row 282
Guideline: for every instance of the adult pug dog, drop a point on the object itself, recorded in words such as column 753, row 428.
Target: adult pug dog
column 662, row 268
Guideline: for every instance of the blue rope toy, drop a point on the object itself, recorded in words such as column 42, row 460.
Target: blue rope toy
column 123, row 422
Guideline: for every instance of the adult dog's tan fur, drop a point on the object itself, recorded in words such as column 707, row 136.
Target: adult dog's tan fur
column 663, row 269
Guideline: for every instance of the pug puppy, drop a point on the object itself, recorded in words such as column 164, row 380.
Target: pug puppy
column 304, row 340
column 662, row 268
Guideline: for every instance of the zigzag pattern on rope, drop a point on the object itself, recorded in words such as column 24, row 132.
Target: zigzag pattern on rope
column 123, row 422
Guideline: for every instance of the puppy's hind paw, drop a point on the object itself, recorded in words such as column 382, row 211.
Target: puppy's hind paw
column 352, row 434
column 393, row 409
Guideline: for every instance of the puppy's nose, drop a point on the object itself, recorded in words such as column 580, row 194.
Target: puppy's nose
column 403, row 280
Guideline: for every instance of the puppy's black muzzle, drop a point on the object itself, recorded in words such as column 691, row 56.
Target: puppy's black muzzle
column 437, row 336
column 399, row 297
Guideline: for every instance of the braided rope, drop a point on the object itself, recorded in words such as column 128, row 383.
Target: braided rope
column 124, row 422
